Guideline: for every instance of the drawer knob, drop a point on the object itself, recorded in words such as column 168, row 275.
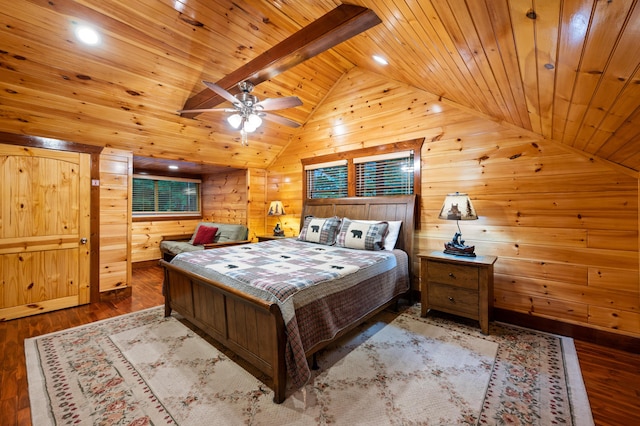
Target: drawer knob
column 451, row 275
column 452, row 300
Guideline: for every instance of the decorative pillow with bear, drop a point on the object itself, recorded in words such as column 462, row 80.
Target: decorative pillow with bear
column 321, row 230
column 362, row 235
column 393, row 232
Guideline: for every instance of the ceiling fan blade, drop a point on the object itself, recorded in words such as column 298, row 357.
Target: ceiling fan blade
column 279, row 119
column 279, row 103
column 221, row 92
column 181, row 111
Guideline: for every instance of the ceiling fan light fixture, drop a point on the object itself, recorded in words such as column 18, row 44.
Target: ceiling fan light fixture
column 235, row 120
column 255, row 121
column 248, row 127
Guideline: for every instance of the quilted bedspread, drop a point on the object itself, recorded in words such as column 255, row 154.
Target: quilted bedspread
column 292, row 274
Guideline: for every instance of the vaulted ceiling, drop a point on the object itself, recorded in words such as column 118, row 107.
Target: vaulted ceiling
column 566, row 70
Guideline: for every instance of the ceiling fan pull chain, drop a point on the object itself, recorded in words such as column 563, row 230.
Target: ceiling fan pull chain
column 243, row 137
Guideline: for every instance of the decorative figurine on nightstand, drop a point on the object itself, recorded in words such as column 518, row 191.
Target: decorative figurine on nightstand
column 456, row 246
column 451, row 211
column 277, row 231
column 276, row 208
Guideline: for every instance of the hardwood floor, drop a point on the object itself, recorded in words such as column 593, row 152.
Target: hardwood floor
column 612, row 377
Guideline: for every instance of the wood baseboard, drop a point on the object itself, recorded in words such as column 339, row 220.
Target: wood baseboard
column 578, row 332
column 145, row 263
column 118, row 293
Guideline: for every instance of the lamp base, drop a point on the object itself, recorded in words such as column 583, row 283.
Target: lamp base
column 277, row 231
column 456, row 247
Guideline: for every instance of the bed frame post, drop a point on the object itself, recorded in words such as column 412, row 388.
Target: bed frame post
column 280, row 365
column 165, row 291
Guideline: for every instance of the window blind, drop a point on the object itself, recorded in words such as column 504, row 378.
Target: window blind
column 160, row 196
column 327, row 180
column 386, row 174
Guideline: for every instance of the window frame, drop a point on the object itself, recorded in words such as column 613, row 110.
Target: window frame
column 414, row 145
column 145, row 216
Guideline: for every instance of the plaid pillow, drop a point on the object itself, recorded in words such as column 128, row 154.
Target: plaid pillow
column 320, row 230
column 362, row 235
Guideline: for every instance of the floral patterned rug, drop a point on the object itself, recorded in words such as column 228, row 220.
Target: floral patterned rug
column 397, row 369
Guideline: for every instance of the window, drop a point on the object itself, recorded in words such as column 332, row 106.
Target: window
column 386, row 174
column 162, row 196
column 368, row 172
column 327, row 180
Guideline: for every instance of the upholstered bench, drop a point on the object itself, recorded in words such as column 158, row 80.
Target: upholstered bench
column 207, row 235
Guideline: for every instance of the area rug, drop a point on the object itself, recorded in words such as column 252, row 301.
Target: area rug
column 399, row 369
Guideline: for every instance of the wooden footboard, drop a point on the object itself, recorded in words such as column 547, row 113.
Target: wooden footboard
column 252, row 328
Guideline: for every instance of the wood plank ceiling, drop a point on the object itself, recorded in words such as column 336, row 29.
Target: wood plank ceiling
column 566, row 70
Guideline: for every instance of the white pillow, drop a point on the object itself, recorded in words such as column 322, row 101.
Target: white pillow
column 392, row 232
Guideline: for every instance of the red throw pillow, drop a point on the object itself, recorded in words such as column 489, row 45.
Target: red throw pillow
column 205, row 235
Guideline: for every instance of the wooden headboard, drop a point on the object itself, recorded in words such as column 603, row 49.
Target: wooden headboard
column 393, row 207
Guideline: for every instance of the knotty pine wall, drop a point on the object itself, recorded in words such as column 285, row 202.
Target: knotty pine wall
column 226, row 197
column 564, row 227
column 115, row 218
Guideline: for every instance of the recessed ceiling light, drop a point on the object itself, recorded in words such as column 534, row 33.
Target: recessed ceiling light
column 380, row 60
column 172, row 167
column 87, row 35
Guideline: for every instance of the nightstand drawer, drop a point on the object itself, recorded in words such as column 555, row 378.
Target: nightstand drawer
column 454, row 275
column 454, row 300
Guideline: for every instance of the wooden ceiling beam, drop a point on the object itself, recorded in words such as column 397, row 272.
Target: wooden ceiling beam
column 336, row 26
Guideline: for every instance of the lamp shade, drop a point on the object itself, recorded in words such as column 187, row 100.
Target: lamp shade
column 254, row 120
column 276, row 208
column 457, row 206
column 235, row 120
column 248, row 127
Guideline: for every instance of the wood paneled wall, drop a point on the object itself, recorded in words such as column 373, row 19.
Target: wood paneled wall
column 116, row 167
column 224, row 198
column 564, row 226
column 257, row 202
column 146, row 236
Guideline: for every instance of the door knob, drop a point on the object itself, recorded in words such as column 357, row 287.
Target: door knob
column 83, row 241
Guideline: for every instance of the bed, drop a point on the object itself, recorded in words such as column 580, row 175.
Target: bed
column 277, row 334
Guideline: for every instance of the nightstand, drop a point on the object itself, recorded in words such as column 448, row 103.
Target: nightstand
column 458, row 285
column 271, row 237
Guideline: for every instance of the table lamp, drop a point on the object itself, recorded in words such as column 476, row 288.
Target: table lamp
column 458, row 207
column 277, row 209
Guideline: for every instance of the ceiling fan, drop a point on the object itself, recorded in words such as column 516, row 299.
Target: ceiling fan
column 248, row 111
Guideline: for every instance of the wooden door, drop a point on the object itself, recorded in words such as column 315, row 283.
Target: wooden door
column 44, row 230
